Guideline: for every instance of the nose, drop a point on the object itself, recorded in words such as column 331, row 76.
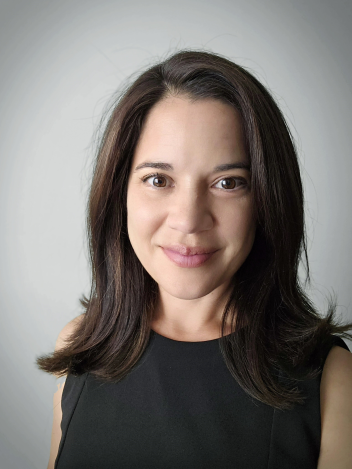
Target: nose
column 189, row 212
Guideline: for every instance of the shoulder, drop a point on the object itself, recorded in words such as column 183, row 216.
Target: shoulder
column 57, row 409
column 336, row 410
column 67, row 331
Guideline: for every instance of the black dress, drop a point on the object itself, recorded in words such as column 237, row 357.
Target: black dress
column 181, row 408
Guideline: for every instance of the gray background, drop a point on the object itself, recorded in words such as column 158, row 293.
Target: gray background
column 60, row 62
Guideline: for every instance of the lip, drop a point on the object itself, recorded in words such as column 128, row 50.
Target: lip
column 188, row 250
column 193, row 260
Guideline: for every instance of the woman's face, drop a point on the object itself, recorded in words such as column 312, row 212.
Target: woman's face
column 191, row 203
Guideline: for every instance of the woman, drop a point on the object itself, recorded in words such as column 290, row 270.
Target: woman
column 199, row 347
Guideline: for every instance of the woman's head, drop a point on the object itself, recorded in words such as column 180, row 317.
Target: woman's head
column 197, row 110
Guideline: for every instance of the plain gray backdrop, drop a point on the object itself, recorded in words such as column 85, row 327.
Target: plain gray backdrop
column 60, row 63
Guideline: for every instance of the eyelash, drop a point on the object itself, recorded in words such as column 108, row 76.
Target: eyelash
column 148, row 176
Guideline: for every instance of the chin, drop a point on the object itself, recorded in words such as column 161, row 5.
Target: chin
column 186, row 290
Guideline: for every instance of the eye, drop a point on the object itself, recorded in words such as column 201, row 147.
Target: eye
column 156, row 176
column 232, row 183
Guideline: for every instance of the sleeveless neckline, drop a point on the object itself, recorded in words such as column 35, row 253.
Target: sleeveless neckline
column 156, row 334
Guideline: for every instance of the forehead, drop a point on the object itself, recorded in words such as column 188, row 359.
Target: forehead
column 177, row 128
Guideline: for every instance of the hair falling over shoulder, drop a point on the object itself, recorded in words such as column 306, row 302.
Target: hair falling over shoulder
column 278, row 328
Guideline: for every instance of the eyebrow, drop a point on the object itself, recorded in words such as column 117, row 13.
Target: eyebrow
column 169, row 167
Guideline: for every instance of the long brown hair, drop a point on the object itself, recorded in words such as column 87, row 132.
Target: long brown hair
column 278, row 329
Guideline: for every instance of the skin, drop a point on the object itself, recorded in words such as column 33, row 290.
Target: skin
column 191, row 207
column 336, row 411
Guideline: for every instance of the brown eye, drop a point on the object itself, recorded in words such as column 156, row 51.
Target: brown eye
column 228, row 183
column 159, row 180
column 231, row 183
column 155, row 177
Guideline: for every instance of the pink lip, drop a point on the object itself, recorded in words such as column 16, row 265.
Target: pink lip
column 187, row 261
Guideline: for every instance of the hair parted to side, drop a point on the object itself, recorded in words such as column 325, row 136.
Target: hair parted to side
column 278, row 329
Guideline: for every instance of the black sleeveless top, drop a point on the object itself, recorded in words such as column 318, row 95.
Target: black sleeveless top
column 181, row 408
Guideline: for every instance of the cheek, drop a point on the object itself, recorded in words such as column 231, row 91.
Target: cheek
column 142, row 217
column 240, row 235
column 238, row 221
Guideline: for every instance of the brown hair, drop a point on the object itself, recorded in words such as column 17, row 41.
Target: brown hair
column 278, row 330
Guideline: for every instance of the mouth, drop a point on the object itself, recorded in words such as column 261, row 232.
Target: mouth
column 189, row 250
column 191, row 260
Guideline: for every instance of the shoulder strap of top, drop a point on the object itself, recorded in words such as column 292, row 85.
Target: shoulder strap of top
column 341, row 343
column 331, row 342
column 70, row 396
